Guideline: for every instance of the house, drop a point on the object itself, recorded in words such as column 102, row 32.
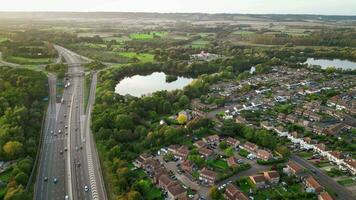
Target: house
column 212, row 139
column 182, row 153
column 232, row 142
column 173, row 148
column 350, row 164
column 250, row 147
column 233, row 193
column 259, row 180
column 164, row 181
column 158, row 173
column 231, row 162
column 321, row 148
column 293, row 168
column 313, row 185
column 282, row 132
column 175, row 191
column 267, row 125
column 264, row 155
column 325, row 196
column 335, row 156
column 139, row 162
column 272, row 176
column 151, row 165
column 292, row 118
column 205, row 152
column 199, row 144
column 208, row 176
column 335, row 129
column 188, row 166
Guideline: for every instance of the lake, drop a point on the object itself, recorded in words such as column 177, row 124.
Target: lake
column 337, row 63
column 139, row 85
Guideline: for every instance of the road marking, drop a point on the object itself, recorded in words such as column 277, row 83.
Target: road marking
column 69, row 171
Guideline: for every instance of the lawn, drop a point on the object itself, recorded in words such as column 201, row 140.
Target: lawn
column 147, row 36
column 2, row 39
column 143, row 57
column 117, row 39
column 218, row 164
column 199, row 43
column 28, row 61
column 150, row 191
column 92, row 45
column 305, row 154
column 346, row 182
column 243, row 33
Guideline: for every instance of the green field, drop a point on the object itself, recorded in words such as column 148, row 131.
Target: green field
column 346, row 182
column 28, row 61
column 147, row 36
column 243, row 32
column 91, row 45
column 117, row 39
column 150, row 191
column 199, row 43
column 2, row 39
column 143, row 57
column 218, row 164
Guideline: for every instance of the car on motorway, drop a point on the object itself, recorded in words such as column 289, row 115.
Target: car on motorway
column 86, row 188
column 51, row 132
column 65, row 149
column 84, row 140
column 66, row 127
column 60, row 152
column 55, row 180
column 66, row 197
column 45, row 179
column 59, row 131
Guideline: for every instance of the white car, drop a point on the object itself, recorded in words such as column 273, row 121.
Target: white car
column 86, row 188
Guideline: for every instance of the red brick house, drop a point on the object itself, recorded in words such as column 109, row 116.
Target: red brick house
column 325, row 196
column 259, row 180
column 272, row 177
column 233, row 193
column 208, row 176
column 205, row 152
column 231, row 162
column 176, row 191
column 293, row 168
column 188, row 166
column 212, row 139
column 200, row 144
column 250, row 147
column 232, row 142
column 311, row 183
column 264, row 155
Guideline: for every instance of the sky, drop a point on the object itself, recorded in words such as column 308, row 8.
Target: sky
column 328, row 7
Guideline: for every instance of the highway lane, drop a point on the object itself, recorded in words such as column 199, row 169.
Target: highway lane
column 96, row 178
column 51, row 161
column 71, row 156
column 324, row 180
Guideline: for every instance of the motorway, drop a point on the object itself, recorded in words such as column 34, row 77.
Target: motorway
column 69, row 156
column 324, row 180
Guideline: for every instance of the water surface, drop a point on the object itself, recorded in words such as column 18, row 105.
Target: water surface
column 337, row 63
column 139, row 85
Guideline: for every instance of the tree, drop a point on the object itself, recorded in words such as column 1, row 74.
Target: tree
column 283, row 150
column 183, row 101
column 223, row 145
column 182, row 118
column 13, row 149
column 133, row 195
column 214, row 193
column 123, row 121
column 21, row 178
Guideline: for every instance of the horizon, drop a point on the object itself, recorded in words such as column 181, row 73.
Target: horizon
column 304, row 7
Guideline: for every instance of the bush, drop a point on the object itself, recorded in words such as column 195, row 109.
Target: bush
column 243, row 153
